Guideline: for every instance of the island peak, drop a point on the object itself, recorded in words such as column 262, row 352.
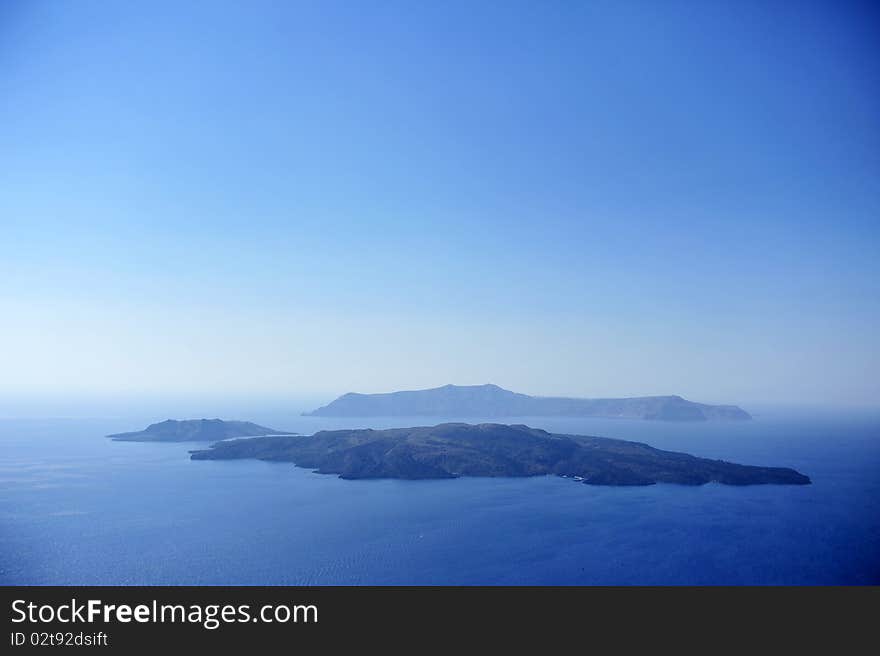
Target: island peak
column 191, row 430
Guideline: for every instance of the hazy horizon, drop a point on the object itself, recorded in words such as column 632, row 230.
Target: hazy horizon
column 280, row 408
column 273, row 201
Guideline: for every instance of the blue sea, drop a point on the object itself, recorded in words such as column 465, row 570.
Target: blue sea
column 77, row 508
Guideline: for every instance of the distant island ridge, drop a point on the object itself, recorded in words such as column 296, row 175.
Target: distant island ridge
column 492, row 401
column 196, row 430
column 492, row 450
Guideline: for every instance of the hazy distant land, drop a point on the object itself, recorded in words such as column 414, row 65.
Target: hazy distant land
column 196, row 430
column 493, row 401
column 457, row 449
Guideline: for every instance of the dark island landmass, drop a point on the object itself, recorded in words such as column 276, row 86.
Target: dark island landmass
column 493, row 401
column 196, row 430
column 453, row 450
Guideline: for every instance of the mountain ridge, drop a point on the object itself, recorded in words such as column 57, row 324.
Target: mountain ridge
column 490, row 400
column 492, row 450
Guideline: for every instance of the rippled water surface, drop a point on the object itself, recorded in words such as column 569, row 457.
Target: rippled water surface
column 76, row 508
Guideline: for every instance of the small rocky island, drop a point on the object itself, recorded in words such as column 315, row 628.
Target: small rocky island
column 490, row 401
column 196, row 430
column 457, row 449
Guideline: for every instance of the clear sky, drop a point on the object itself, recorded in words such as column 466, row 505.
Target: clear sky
column 574, row 198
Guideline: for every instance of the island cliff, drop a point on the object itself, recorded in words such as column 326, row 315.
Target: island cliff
column 493, row 401
column 452, row 450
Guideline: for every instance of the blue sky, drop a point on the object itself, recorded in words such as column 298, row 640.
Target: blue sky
column 302, row 199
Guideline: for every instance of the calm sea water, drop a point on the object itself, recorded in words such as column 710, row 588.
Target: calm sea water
column 76, row 508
